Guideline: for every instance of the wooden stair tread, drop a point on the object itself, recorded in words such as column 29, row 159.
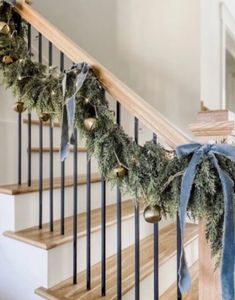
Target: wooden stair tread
column 193, row 294
column 66, row 289
column 37, row 122
column 55, row 149
column 47, row 240
column 15, row 189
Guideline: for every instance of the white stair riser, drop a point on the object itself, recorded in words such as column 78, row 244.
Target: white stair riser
column 21, row 211
column 167, row 274
column 47, row 268
column 25, row 268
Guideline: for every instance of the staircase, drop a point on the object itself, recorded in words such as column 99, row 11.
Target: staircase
column 93, row 244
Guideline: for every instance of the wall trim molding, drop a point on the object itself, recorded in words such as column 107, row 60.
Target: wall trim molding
column 227, row 26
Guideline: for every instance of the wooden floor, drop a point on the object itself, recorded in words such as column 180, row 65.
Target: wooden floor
column 170, row 294
column 15, row 189
column 47, row 240
column 167, row 249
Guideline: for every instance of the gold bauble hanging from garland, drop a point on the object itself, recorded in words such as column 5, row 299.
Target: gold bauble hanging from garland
column 152, row 214
column 7, row 59
column 90, row 123
column 4, row 28
column 44, row 117
column 119, row 172
column 19, row 107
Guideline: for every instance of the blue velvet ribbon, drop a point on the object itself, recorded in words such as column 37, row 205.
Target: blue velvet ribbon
column 199, row 151
column 69, row 110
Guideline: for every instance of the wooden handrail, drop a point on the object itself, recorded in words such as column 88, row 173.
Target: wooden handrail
column 140, row 108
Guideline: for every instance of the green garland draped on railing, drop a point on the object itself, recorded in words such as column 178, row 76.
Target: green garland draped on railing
column 149, row 173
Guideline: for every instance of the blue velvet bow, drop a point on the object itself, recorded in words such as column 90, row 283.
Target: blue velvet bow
column 228, row 253
column 68, row 122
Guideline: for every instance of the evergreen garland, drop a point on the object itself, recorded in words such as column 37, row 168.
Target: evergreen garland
column 152, row 175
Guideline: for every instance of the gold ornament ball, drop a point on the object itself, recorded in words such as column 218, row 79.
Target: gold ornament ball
column 44, row 117
column 19, row 107
column 119, row 172
column 7, row 59
column 4, row 28
column 152, row 214
column 90, row 123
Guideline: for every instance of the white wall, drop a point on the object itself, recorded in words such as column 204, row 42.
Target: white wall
column 211, row 41
column 8, row 147
column 152, row 46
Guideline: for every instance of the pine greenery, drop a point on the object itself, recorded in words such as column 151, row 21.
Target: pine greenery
column 153, row 175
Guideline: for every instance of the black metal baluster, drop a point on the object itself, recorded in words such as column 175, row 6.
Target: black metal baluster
column 29, row 122
column 40, row 173
column 29, row 150
column 137, row 231
column 51, row 175
column 18, row 28
column 103, row 237
column 179, row 295
column 40, row 47
column 62, row 166
column 75, row 204
column 40, row 146
column 88, row 223
column 119, row 223
column 19, row 148
column 50, row 55
column 156, row 251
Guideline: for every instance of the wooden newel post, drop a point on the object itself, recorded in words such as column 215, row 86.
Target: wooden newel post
column 211, row 126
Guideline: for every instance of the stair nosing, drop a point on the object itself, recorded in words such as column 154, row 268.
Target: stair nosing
column 14, row 189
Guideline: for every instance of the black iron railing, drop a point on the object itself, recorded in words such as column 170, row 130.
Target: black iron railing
column 136, row 208
column 119, row 223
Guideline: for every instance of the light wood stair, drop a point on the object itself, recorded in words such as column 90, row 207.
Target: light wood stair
column 56, row 149
column 15, row 189
column 167, row 249
column 37, row 122
column 47, row 240
column 171, row 293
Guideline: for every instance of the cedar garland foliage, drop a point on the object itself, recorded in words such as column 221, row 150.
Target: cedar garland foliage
column 151, row 174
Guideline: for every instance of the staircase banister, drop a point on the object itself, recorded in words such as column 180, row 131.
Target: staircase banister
column 147, row 114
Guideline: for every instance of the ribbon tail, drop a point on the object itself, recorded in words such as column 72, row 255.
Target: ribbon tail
column 70, row 106
column 64, row 148
column 186, row 187
column 82, row 76
column 67, row 136
column 228, row 254
column 64, row 84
